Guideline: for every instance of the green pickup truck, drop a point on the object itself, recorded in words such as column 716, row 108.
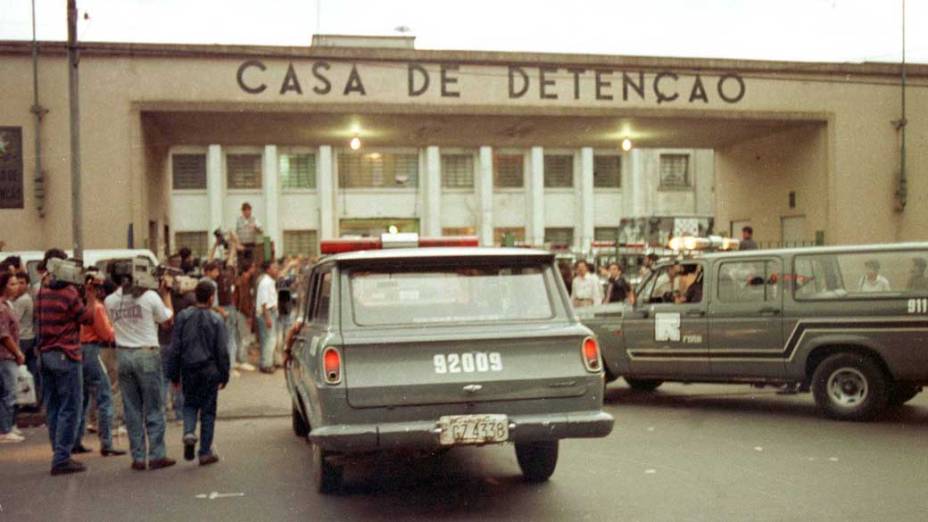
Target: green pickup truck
column 848, row 323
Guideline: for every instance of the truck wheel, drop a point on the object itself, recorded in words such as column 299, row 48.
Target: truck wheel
column 647, row 385
column 537, row 460
column 850, row 386
column 327, row 478
column 300, row 429
column 903, row 392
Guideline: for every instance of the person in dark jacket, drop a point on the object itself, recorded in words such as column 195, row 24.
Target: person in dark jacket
column 199, row 359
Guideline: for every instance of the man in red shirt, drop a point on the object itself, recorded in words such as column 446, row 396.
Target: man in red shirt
column 60, row 312
column 95, row 336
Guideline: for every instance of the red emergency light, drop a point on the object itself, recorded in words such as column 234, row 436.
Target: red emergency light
column 338, row 246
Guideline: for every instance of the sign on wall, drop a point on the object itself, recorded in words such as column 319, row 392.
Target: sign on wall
column 11, row 167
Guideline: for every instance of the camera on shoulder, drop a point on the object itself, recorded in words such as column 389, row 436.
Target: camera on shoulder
column 72, row 271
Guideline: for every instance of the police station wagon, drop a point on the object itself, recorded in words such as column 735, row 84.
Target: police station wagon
column 851, row 323
column 431, row 348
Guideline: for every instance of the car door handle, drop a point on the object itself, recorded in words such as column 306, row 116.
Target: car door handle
column 696, row 313
column 769, row 311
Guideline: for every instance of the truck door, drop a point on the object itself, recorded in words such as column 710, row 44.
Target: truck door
column 746, row 319
column 665, row 333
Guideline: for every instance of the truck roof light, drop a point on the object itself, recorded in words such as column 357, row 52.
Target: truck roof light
column 401, row 240
column 689, row 243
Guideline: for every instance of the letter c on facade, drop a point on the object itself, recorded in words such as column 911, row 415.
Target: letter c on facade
column 241, row 76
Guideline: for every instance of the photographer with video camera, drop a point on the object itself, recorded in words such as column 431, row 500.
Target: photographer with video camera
column 61, row 312
column 135, row 310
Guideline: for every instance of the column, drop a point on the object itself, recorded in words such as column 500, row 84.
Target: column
column 215, row 188
column 484, row 177
column 536, row 197
column 432, row 192
column 587, row 203
column 326, row 187
column 272, row 198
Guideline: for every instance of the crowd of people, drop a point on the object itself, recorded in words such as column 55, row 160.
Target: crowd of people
column 588, row 286
column 111, row 351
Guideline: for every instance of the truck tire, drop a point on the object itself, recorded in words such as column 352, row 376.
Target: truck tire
column 537, row 460
column 327, row 477
column 850, row 386
column 300, row 429
column 646, row 385
column 903, row 392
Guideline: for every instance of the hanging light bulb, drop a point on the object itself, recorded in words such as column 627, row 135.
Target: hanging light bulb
column 355, row 143
column 626, row 144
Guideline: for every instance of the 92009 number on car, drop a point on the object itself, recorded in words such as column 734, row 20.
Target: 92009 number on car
column 468, row 362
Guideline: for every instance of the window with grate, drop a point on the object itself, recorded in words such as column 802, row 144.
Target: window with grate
column 675, row 171
column 559, row 236
column 508, row 236
column 197, row 242
column 188, row 171
column 606, row 233
column 243, row 171
column 300, row 242
column 297, row 171
column 559, row 171
column 457, row 171
column 378, row 170
column 508, row 171
column 607, row 171
column 458, row 231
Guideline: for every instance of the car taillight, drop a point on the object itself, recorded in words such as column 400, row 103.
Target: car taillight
column 332, row 365
column 590, row 354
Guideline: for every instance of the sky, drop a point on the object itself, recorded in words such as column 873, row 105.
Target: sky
column 803, row 30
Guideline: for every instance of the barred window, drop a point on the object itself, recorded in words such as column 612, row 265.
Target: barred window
column 508, row 171
column 559, row 171
column 297, row 171
column 606, row 233
column 197, row 242
column 508, row 236
column 559, row 236
column 607, row 171
column 378, row 170
column 458, row 231
column 675, row 170
column 457, row 171
column 300, row 242
column 243, row 171
column 188, row 171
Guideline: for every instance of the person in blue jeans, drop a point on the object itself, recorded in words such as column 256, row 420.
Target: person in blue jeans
column 199, row 359
column 96, row 382
column 135, row 313
column 10, row 357
column 60, row 312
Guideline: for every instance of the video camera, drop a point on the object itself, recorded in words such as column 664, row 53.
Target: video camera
column 176, row 280
column 72, row 271
column 150, row 278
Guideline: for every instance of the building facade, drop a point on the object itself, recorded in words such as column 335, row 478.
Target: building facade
column 502, row 145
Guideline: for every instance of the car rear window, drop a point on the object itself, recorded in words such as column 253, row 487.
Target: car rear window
column 449, row 295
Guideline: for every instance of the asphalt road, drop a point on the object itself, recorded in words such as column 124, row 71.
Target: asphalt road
column 683, row 453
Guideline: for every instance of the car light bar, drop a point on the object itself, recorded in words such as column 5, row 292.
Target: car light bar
column 403, row 240
column 703, row 243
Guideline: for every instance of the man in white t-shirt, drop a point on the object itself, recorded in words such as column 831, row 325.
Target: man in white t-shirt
column 873, row 282
column 135, row 314
column 586, row 288
column 266, row 314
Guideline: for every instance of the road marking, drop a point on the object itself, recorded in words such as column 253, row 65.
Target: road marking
column 758, row 448
column 215, row 494
column 833, row 459
column 650, row 471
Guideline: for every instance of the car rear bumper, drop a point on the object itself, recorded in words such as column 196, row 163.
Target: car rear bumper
column 424, row 434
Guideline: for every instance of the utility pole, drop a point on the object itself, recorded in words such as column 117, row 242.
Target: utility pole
column 73, row 94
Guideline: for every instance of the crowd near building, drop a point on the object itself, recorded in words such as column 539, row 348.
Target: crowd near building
column 351, row 135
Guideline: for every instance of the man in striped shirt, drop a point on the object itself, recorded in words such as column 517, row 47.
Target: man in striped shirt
column 61, row 311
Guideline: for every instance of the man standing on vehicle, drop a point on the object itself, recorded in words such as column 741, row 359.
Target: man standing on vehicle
column 247, row 230
column 61, row 312
column 747, row 239
column 135, row 313
column 618, row 290
column 266, row 314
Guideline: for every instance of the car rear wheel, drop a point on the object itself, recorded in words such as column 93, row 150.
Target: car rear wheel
column 644, row 384
column 537, row 460
column 300, row 429
column 850, row 386
column 903, row 392
column 327, row 477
